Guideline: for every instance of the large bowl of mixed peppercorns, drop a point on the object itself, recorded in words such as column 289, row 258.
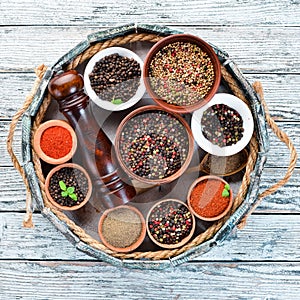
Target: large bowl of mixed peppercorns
column 182, row 73
column 153, row 145
column 224, row 126
column 113, row 78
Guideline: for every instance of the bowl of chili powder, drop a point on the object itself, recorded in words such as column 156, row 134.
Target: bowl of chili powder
column 55, row 142
column 210, row 198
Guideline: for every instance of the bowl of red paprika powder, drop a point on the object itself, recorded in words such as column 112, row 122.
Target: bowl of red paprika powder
column 55, row 142
column 210, row 198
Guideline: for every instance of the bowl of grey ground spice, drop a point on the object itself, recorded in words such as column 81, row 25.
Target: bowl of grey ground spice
column 113, row 78
column 122, row 228
column 182, row 73
column 153, row 145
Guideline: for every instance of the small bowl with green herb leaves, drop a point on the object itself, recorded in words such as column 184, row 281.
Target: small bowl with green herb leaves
column 68, row 186
column 113, row 78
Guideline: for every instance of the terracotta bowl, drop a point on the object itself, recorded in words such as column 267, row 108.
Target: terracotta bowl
column 205, row 47
column 163, row 203
column 37, row 142
column 206, row 197
column 59, row 167
column 125, row 149
column 135, row 244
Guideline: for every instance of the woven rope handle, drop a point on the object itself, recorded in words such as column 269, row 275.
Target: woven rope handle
column 285, row 139
column 39, row 71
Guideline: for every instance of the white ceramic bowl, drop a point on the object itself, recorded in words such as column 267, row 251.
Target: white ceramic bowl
column 107, row 104
column 248, row 125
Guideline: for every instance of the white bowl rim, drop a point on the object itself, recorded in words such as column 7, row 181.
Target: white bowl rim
column 106, row 104
column 248, row 124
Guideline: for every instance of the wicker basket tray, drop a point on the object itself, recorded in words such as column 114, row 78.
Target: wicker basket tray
column 38, row 107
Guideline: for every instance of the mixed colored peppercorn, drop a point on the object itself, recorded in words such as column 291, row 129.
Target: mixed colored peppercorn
column 115, row 78
column 154, row 144
column 170, row 222
column 222, row 125
column 181, row 73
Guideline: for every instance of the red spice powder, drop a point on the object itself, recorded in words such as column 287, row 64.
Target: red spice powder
column 56, row 142
column 206, row 198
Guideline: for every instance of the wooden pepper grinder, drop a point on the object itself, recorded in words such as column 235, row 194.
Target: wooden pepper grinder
column 67, row 89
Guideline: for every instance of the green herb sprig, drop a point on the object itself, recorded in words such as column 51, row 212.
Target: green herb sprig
column 67, row 191
column 116, row 101
column 226, row 191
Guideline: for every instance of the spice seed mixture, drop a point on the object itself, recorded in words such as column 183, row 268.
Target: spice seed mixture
column 181, row 74
column 115, row 77
column 154, row 144
column 170, row 222
column 222, row 125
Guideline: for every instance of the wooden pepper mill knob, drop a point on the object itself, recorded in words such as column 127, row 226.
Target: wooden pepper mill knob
column 97, row 149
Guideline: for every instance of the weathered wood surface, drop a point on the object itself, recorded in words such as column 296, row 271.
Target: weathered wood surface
column 169, row 12
column 279, row 46
column 259, row 262
column 95, row 280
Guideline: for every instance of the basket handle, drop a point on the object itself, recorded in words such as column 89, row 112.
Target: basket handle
column 39, row 71
column 282, row 137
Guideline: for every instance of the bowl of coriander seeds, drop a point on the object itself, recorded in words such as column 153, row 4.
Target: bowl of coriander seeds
column 182, row 73
column 113, row 78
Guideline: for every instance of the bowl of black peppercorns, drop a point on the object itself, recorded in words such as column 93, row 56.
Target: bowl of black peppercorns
column 224, row 126
column 113, row 78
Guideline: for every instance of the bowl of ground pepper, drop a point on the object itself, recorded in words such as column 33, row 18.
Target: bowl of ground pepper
column 224, row 126
column 55, row 142
column 182, row 73
column 153, row 145
column 210, row 198
column 170, row 223
column 122, row 228
column 113, row 78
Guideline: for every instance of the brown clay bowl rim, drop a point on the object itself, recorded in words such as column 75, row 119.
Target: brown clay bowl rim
column 197, row 181
column 132, row 246
column 244, row 153
column 206, row 48
column 190, row 148
column 185, row 240
column 70, row 165
column 37, row 138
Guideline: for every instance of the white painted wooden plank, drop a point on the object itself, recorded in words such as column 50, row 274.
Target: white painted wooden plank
column 94, row 280
column 254, row 49
column 281, row 93
column 265, row 237
column 193, row 12
column 285, row 200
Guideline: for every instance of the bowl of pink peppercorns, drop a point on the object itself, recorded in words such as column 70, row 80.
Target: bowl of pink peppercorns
column 182, row 73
